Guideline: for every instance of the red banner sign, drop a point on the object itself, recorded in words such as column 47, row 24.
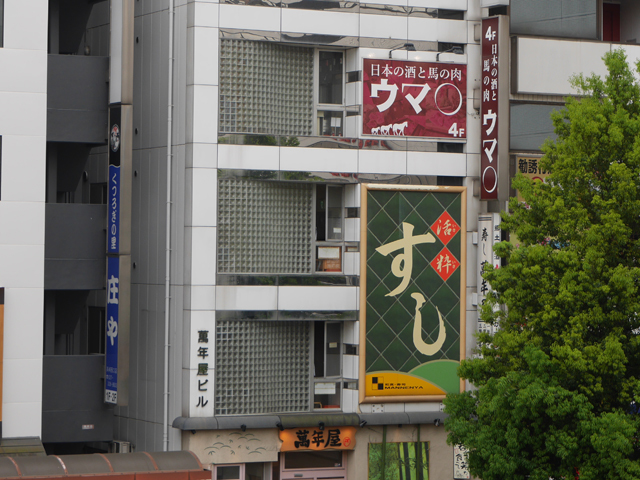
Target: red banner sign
column 414, row 99
column 489, row 128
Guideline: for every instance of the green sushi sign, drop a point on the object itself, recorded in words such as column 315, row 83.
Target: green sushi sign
column 413, row 260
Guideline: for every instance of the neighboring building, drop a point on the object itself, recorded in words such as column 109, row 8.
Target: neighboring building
column 305, row 136
column 54, row 101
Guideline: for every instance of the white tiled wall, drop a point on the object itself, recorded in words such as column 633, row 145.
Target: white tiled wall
column 23, row 104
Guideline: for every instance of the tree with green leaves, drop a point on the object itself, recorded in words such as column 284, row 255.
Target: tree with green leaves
column 558, row 384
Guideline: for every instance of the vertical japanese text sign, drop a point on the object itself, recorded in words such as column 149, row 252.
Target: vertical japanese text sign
column 489, row 126
column 412, row 292
column 113, row 313
column 119, row 184
column 489, row 233
column 485, row 257
column 414, row 99
column 202, row 351
column 113, row 217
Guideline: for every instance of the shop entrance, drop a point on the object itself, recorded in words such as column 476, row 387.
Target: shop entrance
column 313, row 465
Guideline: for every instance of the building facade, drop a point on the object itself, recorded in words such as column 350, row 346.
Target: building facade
column 287, row 271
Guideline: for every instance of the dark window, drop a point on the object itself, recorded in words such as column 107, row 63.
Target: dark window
column 327, row 362
column 444, row 147
column 457, row 48
column 98, row 193
column 449, row 181
column 330, row 77
column 493, row 11
column 451, row 14
column 611, row 22
column 330, row 112
column 228, row 472
column 313, row 459
column 329, row 212
column 96, row 331
column 1, row 23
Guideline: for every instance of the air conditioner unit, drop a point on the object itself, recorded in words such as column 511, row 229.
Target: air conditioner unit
column 119, row 446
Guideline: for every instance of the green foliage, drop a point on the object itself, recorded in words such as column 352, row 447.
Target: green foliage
column 402, row 461
column 556, row 384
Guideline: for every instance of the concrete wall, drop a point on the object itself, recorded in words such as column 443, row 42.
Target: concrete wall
column 555, row 18
column 142, row 421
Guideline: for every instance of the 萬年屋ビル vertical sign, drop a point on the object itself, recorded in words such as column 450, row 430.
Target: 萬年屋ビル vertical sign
column 414, row 99
column 412, row 292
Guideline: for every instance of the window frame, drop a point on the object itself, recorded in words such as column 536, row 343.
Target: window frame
column 266, row 470
column 335, row 473
column 331, row 107
column 333, row 242
column 1, row 23
column 337, row 379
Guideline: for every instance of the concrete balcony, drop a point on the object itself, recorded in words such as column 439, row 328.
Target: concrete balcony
column 77, row 99
column 72, row 400
column 75, row 246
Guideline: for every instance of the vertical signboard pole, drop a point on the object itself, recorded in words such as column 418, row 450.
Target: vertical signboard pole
column 119, row 208
column 490, row 93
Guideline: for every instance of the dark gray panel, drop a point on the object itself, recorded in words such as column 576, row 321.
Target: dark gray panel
column 72, row 394
column 76, row 82
column 77, row 98
column 78, row 126
column 74, row 274
column 66, row 426
column 559, row 18
column 531, row 125
column 75, row 246
column 74, row 230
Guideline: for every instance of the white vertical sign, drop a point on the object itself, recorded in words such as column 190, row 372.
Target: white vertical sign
column 485, row 257
column 202, row 364
column 461, row 462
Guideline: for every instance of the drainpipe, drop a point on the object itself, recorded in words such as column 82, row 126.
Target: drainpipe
column 167, row 280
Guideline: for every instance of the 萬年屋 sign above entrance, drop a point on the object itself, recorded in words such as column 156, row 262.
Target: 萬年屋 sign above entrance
column 412, row 315
column 328, row 438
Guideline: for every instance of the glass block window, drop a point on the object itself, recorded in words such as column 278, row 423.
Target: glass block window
column 265, row 88
column 262, row 367
column 264, row 227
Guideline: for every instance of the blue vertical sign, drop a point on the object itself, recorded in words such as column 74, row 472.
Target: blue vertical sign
column 113, row 260
column 113, row 222
column 113, row 299
column 113, row 236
